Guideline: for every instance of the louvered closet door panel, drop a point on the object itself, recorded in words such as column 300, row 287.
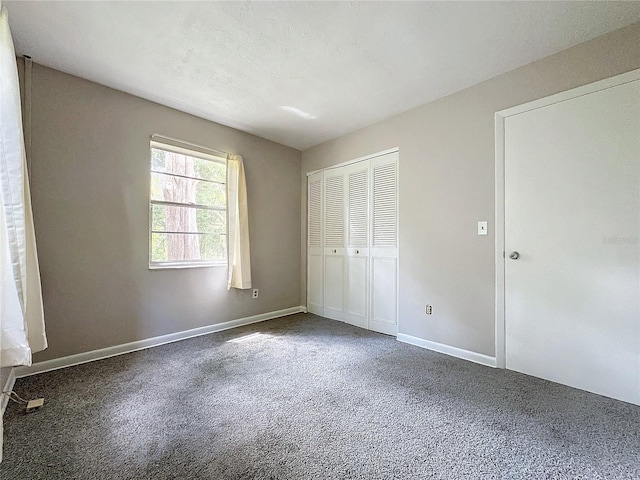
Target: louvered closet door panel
column 334, row 209
column 384, row 244
column 357, row 176
column 358, row 205
column 357, row 290
column 385, row 204
column 384, row 294
column 315, row 211
column 334, row 273
column 334, row 243
column 315, row 267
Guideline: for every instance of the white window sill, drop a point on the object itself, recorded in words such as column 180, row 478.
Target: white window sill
column 173, row 266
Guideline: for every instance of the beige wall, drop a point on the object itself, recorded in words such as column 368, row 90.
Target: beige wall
column 446, row 185
column 90, row 182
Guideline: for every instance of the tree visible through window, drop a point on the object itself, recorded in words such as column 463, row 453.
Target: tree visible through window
column 187, row 208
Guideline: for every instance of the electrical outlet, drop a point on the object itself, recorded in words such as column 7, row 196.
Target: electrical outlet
column 428, row 310
column 256, row 292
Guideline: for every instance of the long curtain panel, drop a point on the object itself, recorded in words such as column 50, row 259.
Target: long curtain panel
column 22, row 330
column 239, row 257
column 21, row 314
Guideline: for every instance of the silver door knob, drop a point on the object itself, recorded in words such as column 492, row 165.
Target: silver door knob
column 514, row 255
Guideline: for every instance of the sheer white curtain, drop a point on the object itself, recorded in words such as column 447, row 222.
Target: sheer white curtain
column 237, row 225
column 21, row 315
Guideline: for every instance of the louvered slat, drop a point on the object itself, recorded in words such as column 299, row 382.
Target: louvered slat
column 315, row 214
column 358, row 193
column 334, row 211
column 384, row 206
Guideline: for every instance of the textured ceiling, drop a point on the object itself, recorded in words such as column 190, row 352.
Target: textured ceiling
column 335, row 66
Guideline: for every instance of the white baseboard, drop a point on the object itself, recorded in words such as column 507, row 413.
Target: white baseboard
column 449, row 350
column 91, row 356
column 7, row 387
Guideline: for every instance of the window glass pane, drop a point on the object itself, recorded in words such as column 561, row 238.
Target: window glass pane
column 187, row 234
column 186, row 219
column 171, row 162
column 213, row 247
column 185, row 190
column 182, row 247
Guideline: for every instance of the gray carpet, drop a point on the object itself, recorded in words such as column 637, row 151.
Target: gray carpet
column 311, row 398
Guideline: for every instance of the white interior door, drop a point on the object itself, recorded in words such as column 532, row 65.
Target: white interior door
column 384, row 244
column 334, row 244
column 357, row 252
column 315, row 264
column 572, row 211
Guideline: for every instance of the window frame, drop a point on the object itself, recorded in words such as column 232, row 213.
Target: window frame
column 154, row 265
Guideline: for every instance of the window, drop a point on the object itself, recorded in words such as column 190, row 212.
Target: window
column 187, row 208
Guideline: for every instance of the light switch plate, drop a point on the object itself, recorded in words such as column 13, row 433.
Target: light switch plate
column 482, row 227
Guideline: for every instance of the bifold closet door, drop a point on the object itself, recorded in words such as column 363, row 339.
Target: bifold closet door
column 353, row 243
column 357, row 252
column 315, row 264
column 334, row 244
column 384, row 244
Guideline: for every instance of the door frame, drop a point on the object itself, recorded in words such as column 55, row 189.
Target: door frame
column 500, row 117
